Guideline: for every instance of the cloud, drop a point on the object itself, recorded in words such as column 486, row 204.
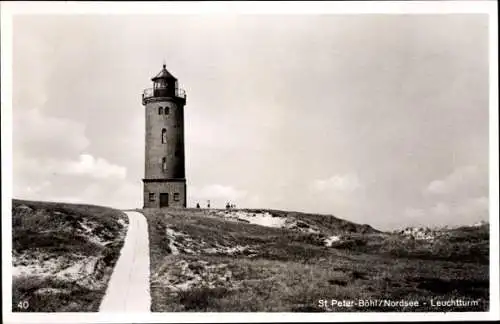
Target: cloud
column 339, row 183
column 453, row 213
column 436, row 187
column 85, row 165
column 50, row 163
column 471, row 210
column 110, row 192
column 96, row 168
column 459, row 198
column 461, row 178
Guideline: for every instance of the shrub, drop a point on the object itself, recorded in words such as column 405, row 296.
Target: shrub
column 200, row 299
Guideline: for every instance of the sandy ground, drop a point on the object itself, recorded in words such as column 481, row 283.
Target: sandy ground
column 266, row 219
column 128, row 289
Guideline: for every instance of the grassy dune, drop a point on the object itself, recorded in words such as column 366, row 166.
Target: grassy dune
column 63, row 255
column 200, row 262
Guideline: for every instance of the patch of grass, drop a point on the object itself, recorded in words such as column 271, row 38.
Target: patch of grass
column 51, row 241
column 475, row 251
column 453, row 246
column 60, row 215
column 51, row 229
column 28, row 296
column 293, row 271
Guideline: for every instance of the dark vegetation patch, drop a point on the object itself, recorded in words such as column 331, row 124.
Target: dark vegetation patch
column 202, row 299
column 469, row 287
column 450, row 247
column 63, row 296
column 53, row 242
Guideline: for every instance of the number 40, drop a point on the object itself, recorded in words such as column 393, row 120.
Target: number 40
column 23, row 304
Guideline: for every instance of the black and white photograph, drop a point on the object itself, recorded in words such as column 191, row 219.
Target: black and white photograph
column 212, row 161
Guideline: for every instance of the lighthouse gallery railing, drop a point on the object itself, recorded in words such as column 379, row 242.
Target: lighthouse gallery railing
column 149, row 93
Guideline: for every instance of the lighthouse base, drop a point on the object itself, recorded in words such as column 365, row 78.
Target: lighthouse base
column 164, row 193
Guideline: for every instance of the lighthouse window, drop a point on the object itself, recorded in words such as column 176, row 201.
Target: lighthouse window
column 160, row 110
column 167, row 110
column 164, row 164
column 163, row 136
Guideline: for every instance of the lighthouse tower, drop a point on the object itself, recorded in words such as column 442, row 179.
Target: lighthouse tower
column 164, row 177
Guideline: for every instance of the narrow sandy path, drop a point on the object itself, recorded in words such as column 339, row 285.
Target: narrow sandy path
column 128, row 288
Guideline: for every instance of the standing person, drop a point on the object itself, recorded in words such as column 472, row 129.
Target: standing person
column 208, row 204
column 197, row 205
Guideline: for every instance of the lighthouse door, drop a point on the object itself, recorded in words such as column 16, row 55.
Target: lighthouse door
column 163, row 200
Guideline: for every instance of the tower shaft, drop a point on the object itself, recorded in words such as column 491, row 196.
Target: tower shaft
column 164, row 173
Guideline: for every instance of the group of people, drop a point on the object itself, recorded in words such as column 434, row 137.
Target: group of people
column 228, row 205
column 208, row 204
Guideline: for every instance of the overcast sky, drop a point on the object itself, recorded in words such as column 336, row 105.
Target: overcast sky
column 378, row 119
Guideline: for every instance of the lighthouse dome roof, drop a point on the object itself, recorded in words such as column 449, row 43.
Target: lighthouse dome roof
column 164, row 74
